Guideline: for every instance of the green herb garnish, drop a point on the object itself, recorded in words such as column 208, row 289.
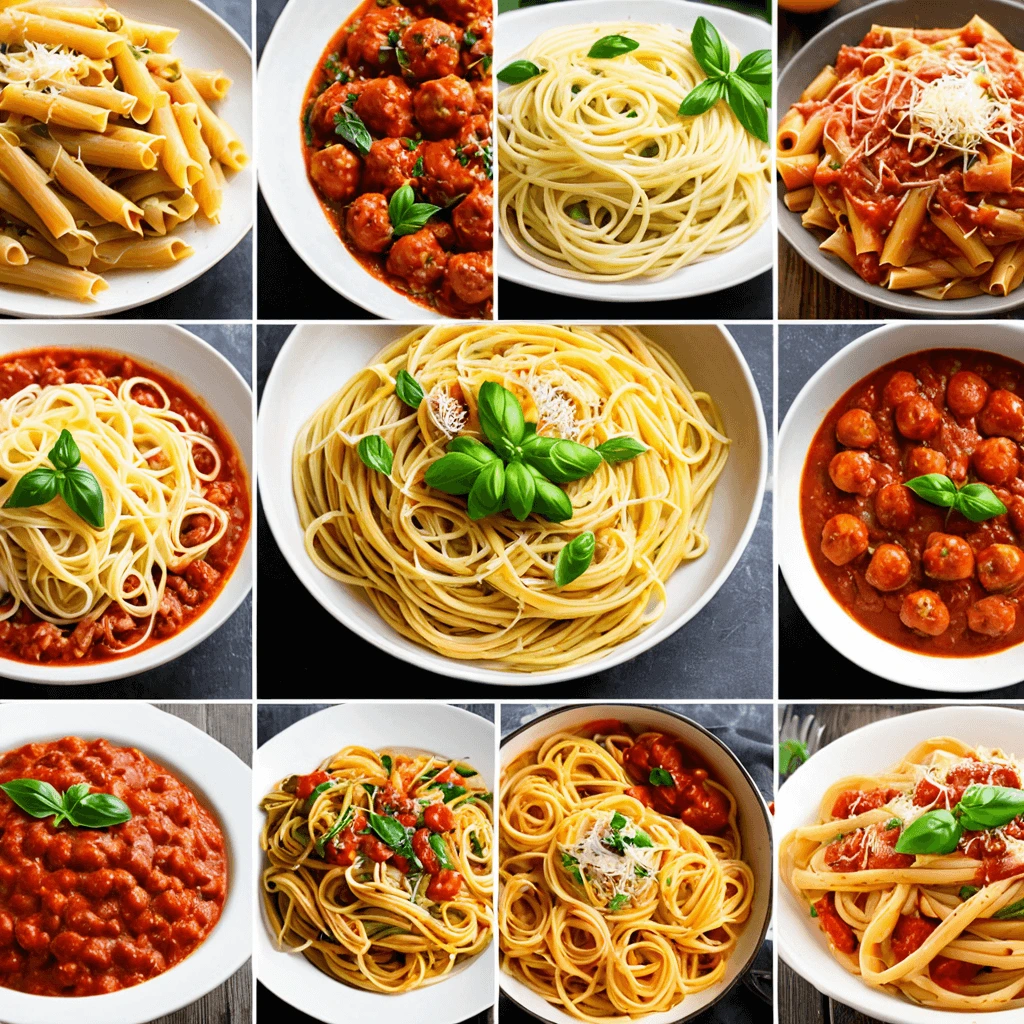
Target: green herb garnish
column 407, row 216
column 792, row 754
column 518, row 71
column 77, row 805
column 660, row 777
column 976, row 502
column 608, row 47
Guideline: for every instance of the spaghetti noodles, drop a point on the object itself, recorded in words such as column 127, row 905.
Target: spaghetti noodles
column 618, row 899
column 601, row 178
column 945, row 930
column 485, row 589
column 380, row 867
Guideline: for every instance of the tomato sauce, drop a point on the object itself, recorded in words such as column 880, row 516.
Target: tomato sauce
column 88, row 911
column 941, row 584
column 188, row 593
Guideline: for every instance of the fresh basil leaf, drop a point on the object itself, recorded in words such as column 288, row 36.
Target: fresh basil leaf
column 518, row 71
column 465, row 771
column 100, row 810
column 487, row 492
column 934, row 833
column 322, row 788
column 985, row 807
column 660, row 777
column 893, row 823
column 520, row 490
column 711, row 52
column 1011, row 912
column 934, row 488
column 449, row 791
column 792, row 754
column 350, row 127
column 756, row 67
column 389, row 830
column 764, row 91
column 612, row 46
column 748, row 106
column 474, row 843
column 82, row 493
column 967, row 891
column 572, row 866
column 574, row 559
column 559, row 459
column 440, row 848
column 641, row 839
column 702, row 97
column 471, row 446
column 341, row 823
column 428, row 775
column 375, row 453
column 640, row 871
column 37, row 798
column 618, row 901
column 386, row 762
column 406, row 215
column 618, row 821
column 620, row 449
column 501, row 415
column 408, row 389
column 36, row 487
column 454, row 473
column 65, row 453
column 73, row 795
column 550, row 501
column 977, row 502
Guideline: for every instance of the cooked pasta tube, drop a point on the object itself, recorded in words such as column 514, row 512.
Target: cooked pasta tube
column 101, row 96
column 65, row 282
column 164, row 66
column 154, row 37
column 12, row 252
column 136, row 79
column 148, row 184
column 141, row 253
column 106, row 151
column 19, row 27
column 33, row 184
column 176, row 157
column 46, row 107
column 90, row 17
column 207, row 188
column 224, row 143
column 211, row 85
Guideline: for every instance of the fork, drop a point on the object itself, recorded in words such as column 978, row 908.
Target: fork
column 804, row 730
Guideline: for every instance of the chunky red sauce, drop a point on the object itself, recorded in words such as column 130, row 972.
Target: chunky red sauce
column 415, row 81
column 189, row 593
column 909, row 571
column 88, row 911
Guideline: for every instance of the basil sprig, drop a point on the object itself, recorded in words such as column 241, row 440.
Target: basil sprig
column 618, row 901
column 440, row 848
column 75, row 483
column 77, row 805
column 519, row 71
column 349, row 125
column 976, row 502
column 660, row 777
column 981, row 808
column 408, row 389
column 395, row 835
column 748, row 89
column 406, row 215
column 612, row 46
column 375, row 453
column 574, row 559
column 342, row 822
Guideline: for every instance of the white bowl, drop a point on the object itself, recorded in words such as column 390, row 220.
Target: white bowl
column 206, row 41
column 439, row 728
column 316, row 361
column 869, row 751
column 856, row 361
column 517, row 29
column 289, row 59
column 211, row 378
column 221, row 782
column 755, row 829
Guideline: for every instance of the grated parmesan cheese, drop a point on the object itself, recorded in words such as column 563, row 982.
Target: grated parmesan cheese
column 446, row 413
column 41, row 64
column 611, row 873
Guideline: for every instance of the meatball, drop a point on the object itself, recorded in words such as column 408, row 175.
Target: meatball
column 335, row 170
column 1001, row 567
column 418, row 259
column 843, row 538
column 966, row 393
column 996, row 460
column 443, row 106
column 477, row 44
column 483, row 89
column 443, row 231
column 992, row 616
column 368, row 41
column 368, row 224
column 947, row 557
column 901, row 386
column 852, row 472
column 473, row 135
column 889, row 569
column 464, row 11
column 894, row 507
column 917, row 418
column 925, row 612
column 1003, row 416
column 1016, row 507
column 329, row 103
column 856, row 429
column 470, row 276
column 388, row 166
column 922, row 461
column 445, row 176
column 385, row 106
column 431, row 48
column 473, row 219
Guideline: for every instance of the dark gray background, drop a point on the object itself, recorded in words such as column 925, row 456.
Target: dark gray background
column 725, row 651
column 221, row 666
column 805, row 659
column 270, row 720
column 747, row 730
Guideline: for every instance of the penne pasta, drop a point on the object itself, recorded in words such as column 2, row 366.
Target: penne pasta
column 99, row 150
column 207, row 189
column 211, row 85
column 148, row 253
column 20, row 27
column 48, row 107
column 224, row 144
column 176, row 159
column 154, row 37
column 136, row 79
column 55, row 279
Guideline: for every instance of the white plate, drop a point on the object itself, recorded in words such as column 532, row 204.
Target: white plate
column 517, row 29
column 755, row 829
column 206, row 41
column 318, row 359
column 221, row 782
column 868, row 751
column 289, row 59
column 212, row 379
column 440, row 728
column 851, row 364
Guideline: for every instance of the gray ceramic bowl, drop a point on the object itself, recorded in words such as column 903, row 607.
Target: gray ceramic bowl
column 1007, row 16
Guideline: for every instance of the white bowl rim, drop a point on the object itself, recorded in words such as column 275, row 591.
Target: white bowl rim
column 210, row 620
column 761, row 802
column 643, row 642
column 789, row 552
column 513, row 268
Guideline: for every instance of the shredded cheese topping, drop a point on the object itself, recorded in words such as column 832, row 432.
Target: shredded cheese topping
column 610, row 873
column 446, row 413
column 43, row 65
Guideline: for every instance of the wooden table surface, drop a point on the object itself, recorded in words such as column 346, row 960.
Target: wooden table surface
column 799, row 1001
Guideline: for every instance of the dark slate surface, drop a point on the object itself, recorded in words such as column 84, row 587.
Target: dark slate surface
column 804, row 657
column 738, row 620
column 270, row 720
column 220, row 667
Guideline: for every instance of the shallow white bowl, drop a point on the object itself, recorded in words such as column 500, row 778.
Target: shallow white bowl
column 517, row 29
column 318, row 359
column 206, row 41
column 440, row 728
column 210, row 378
column 221, row 782
column 868, row 751
column 755, row 829
column 851, row 364
column 300, row 36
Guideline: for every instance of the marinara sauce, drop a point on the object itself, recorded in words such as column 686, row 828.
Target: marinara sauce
column 89, row 911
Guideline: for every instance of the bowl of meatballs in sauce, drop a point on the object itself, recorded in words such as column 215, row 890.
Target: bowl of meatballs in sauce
column 394, row 130
column 901, row 519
